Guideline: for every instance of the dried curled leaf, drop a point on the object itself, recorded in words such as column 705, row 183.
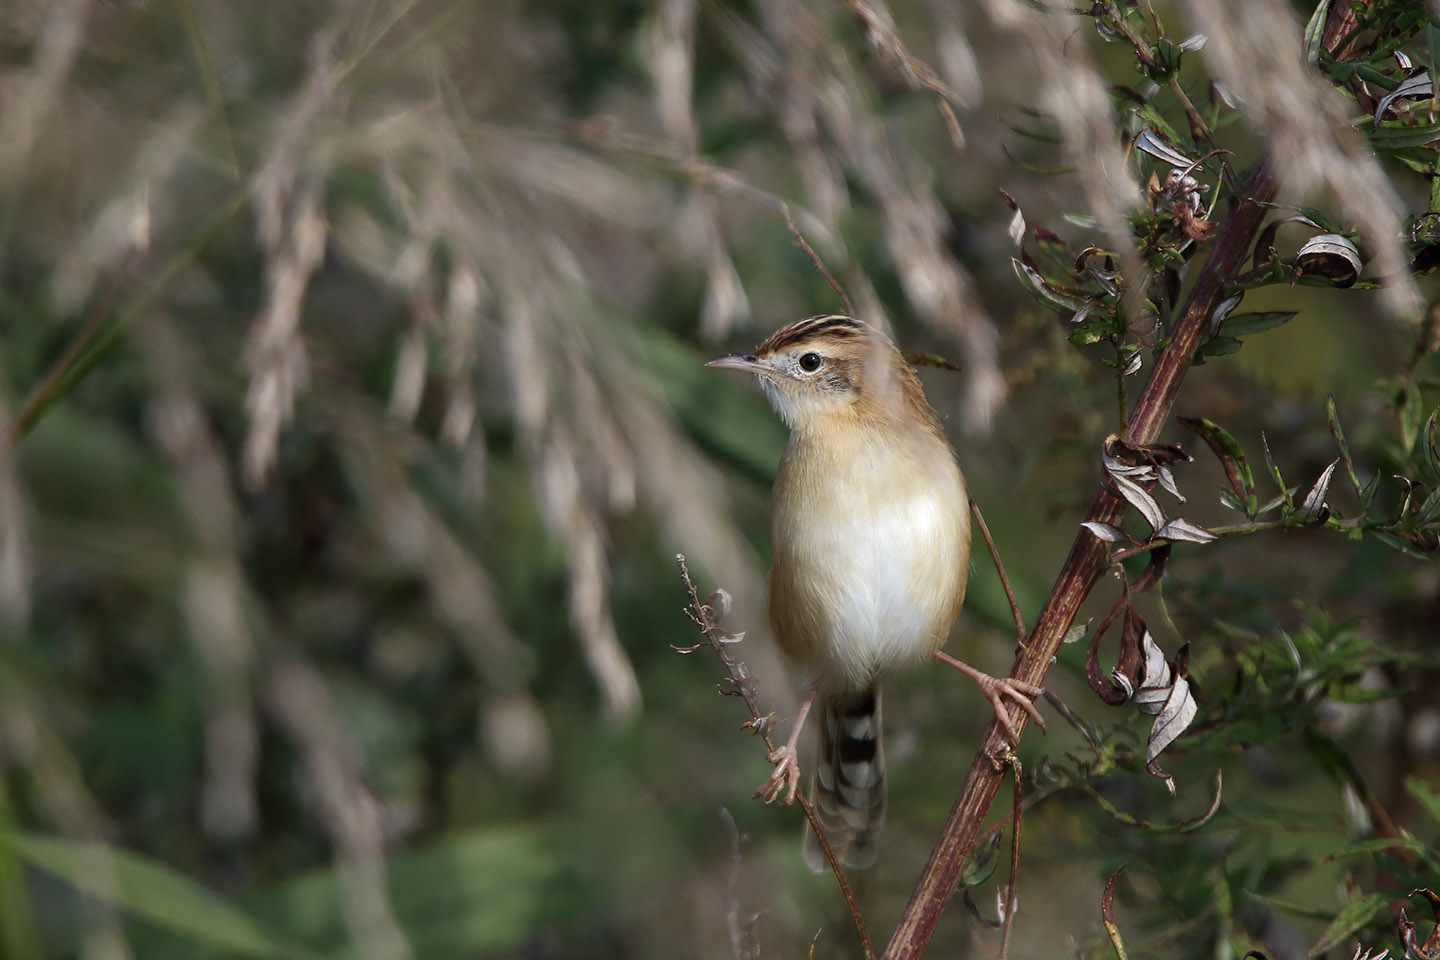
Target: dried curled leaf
column 1430, row 949
column 1154, row 681
column 1106, row 532
column 1330, row 255
column 1244, row 324
column 1140, row 500
column 1017, row 226
column 1154, row 144
column 1107, row 900
column 1314, row 508
column 1222, row 310
column 1157, row 687
column 1043, row 290
column 1417, row 87
column 1182, row 529
column 1173, row 719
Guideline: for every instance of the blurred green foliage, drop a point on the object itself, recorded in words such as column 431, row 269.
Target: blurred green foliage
column 466, row 261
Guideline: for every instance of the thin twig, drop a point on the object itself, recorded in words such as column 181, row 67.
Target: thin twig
column 1012, row 895
column 1256, row 526
column 815, row 259
column 932, row 360
column 1000, row 569
column 1425, row 344
column 705, row 618
column 1198, row 125
column 883, row 38
column 214, row 93
column 1068, row 715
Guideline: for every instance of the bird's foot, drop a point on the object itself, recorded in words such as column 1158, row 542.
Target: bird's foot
column 785, row 778
column 997, row 688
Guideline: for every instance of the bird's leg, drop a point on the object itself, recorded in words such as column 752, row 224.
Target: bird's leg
column 785, row 778
column 996, row 687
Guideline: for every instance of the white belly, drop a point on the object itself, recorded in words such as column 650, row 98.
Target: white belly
column 879, row 574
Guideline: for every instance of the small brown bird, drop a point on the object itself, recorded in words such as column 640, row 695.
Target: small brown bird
column 869, row 556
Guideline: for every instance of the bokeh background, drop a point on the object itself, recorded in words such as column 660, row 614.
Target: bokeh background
column 352, row 358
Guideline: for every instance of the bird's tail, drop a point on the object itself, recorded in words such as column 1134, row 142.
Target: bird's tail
column 848, row 784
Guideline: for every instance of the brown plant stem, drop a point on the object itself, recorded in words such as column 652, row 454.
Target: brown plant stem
column 1087, row 560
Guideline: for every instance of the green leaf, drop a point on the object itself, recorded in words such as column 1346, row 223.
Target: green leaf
column 1430, row 462
column 1244, row 324
column 150, row 890
column 1042, row 290
column 1232, row 458
column 1275, row 474
column 1356, row 914
column 981, row 865
column 1090, row 333
column 1399, row 135
column 1428, row 796
column 18, row 937
column 1379, row 845
column 1299, row 910
column 1157, row 120
column 1430, row 509
column 1432, row 46
column 1229, row 499
column 1401, row 544
column 1367, row 496
column 1340, row 444
column 1322, row 219
column 1411, row 412
column 1315, row 32
column 479, row 893
column 1167, row 56
column 1278, row 500
column 1219, row 346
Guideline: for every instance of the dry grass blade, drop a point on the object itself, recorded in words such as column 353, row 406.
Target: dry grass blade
column 827, row 103
column 300, row 699
column 39, row 90
column 213, row 593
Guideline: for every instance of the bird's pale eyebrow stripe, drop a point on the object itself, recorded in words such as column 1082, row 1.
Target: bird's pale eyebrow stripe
column 833, row 326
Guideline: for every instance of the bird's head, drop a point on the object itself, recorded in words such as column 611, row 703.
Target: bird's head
column 829, row 366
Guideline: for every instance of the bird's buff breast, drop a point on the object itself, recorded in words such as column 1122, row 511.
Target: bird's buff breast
column 869, row 577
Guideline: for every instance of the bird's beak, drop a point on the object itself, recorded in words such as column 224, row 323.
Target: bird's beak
column 744, row 362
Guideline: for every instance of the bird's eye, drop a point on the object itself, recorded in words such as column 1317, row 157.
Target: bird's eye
column 810, row 362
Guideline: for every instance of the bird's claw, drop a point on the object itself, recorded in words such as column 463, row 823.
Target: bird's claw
column 1021, row 692
column 785, row 778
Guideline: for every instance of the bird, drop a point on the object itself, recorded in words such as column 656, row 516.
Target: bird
column 869, row 559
